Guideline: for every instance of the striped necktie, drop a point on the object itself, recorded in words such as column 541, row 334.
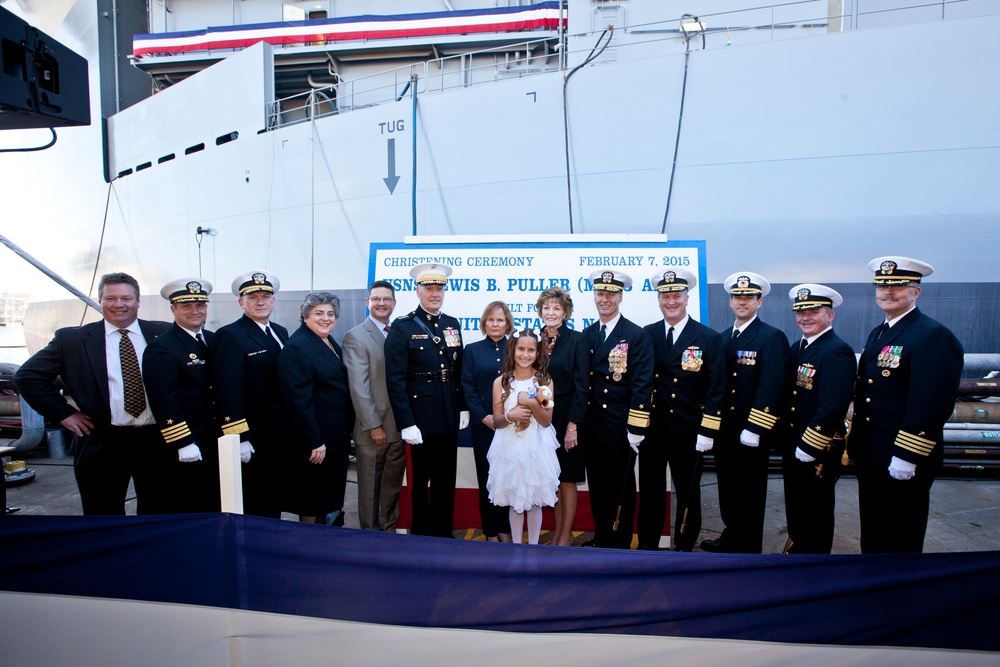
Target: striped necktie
column 135, row 396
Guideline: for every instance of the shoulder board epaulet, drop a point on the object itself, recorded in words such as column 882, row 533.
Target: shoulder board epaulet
column 408, row 316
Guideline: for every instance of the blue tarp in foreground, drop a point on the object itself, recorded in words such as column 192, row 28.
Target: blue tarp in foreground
column 231, row 561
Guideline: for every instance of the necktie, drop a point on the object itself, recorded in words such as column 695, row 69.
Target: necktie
column 670, row 338
column 604, row 332
column 198, row 337
column 135, row 396
column 386, row 328
column 803, row 344
column 736, row 334
column 881, row 330
column 270, row 335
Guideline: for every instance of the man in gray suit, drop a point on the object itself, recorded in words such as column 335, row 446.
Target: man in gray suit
column 380, row 451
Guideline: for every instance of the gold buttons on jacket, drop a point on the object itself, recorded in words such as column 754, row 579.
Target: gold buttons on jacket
column 868, row 400
column 605, row 390
column 675, row 379
column 605, row 406
column 673, row 395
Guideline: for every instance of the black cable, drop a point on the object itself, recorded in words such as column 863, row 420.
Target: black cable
column 594, row 53
column 677, row 140
column 36, row 148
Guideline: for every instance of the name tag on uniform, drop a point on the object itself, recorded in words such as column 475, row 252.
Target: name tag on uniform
column 691, row 359
column 452, row 338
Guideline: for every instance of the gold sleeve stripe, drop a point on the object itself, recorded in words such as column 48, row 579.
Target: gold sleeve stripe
column 236, row 427
column 710, row 421
column 814, row 439
column 175, row 433
column 915, row 444
column 763, row 419
column 638, row 418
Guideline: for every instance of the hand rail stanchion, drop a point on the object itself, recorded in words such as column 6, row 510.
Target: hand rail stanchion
column 230, row 474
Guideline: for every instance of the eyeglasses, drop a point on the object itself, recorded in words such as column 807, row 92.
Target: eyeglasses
column 381, row 299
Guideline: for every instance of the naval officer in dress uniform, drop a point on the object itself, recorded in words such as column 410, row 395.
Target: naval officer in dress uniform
column 821, row 383
column 756, row 374
column 244, row 372
column 175, row 368
column 908, row 378
column 689, row 381
column 423, row 369
column 621, row 386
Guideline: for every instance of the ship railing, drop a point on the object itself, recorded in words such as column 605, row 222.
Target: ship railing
column 766, row 22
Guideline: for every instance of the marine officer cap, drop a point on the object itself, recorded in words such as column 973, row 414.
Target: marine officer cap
column 809, row 296
column 431, row 273
column 607, row 280
column 747, row 282
column 894, row 270
column 183, row 290
column 673, row 280
column 256, row 281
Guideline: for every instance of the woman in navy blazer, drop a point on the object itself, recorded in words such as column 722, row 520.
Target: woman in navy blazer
column 317, row 407
column 569, row 367
column 480, row 367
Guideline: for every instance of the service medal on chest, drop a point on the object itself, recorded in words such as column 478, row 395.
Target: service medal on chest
column 618, row 361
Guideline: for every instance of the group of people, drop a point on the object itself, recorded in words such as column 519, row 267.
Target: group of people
column 549, row 408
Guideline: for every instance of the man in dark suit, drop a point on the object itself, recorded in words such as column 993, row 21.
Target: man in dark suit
column 820, row 387
column 423, row 368
column 244, row 370
column 180, row 393
column 116, row 435
column 689, row 381
column 381, row 455
column 756, row 373
column 908, row 378
column 621, row 387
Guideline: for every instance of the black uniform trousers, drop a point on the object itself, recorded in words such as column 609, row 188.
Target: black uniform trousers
column 893, row 512
column 810, row 499
column 611, row 480
column 677, row 450
column 742, row 475
column 135, row 452
column 434, row 466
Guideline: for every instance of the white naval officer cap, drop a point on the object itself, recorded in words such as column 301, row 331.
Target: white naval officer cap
column 256, row 281
column 747, row 282
column 673, row 280
column 183, row 290
column 607, row 280
column 431, row 273
column 809, row 296
column 895, row 270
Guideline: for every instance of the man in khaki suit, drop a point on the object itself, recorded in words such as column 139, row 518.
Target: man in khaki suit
column 381, row 454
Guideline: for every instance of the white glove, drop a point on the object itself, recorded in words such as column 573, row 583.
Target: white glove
column 412, row 435
column 189, row 454
column 246, row 449
column 704, row 443
column 749, row 439
column 463, row 420
column 802, row 456
column 634, row 440
column 902, row 470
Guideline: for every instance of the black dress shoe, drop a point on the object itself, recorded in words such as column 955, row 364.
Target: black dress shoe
column 680, row 548
column 714, row 546
column 646, row 547
column 11, row 510
column 592, row 542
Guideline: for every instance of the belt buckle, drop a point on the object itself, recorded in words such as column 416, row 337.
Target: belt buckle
column 445, row 375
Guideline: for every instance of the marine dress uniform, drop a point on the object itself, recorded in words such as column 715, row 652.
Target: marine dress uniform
column 907, row 382
column 423, row 368
column 244, row 372
column 689, row 381
column 821, row 384
column 756, row 373
column 175, row 368
column 621, row 386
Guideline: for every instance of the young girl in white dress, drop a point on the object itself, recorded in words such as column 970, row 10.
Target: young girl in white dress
column 524, row 468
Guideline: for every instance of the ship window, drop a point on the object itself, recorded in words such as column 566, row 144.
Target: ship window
column 144, row 165
column 194, row 149
column 226, row 138
column 166, row 158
